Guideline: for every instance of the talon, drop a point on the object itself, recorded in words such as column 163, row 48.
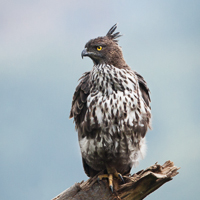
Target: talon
column 98, row 179
column 120, row 176
column 111, row 188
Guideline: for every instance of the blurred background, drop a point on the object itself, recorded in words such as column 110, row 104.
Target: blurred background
column 40, row 64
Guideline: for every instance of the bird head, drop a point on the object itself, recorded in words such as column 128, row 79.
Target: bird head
column 105, row 50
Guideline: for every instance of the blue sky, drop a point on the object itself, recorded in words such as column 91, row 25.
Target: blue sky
column 40, row 64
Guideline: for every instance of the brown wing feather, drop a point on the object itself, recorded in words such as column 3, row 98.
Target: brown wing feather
column 146, row 96
column 78, row 111
column 144, row 89
column 79, row 102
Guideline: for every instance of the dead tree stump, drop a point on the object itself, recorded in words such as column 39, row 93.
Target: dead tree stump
column 136, row 187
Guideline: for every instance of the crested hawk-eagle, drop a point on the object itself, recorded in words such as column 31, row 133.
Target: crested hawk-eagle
column 111, row 110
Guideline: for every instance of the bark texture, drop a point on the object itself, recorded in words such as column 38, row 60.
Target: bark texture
column 136, row 187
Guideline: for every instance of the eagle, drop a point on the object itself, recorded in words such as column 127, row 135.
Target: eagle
column 111, row 111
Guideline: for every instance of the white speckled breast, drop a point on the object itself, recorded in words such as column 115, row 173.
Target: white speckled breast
column 116, row 106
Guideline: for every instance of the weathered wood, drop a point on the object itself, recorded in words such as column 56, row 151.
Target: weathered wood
column 136, row 187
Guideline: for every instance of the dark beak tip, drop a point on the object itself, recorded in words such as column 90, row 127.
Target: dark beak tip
column 84, row 53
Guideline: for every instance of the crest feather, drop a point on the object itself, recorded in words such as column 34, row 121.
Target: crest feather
column 111, row 35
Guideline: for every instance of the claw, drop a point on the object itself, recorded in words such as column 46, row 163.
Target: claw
column 120, row 176
column 98, row 179
column 111, row 188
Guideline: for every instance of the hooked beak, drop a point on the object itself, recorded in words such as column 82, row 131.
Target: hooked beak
column 84, row 53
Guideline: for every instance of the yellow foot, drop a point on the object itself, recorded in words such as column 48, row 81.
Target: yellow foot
column 110, row 178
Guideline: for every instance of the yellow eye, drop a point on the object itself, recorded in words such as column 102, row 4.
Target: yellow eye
column 99, row 48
